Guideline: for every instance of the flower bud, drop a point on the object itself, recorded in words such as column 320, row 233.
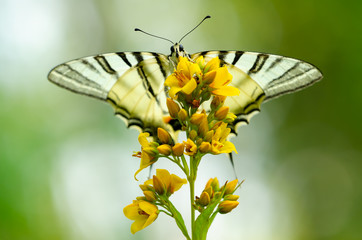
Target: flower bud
column 205, row 147
column 178, row 149
column 213, row 64
column 221, row 113
column 208, row 136
column 230, row 187
column 192, row 134
column 231, row 197
column 151, row 151
column 198, row 141
column 173, row 108
column 215, row 184
column 164, row 136
column 209, row 191
column 164, row 149
column 158, row 185
column 209, row 77
column 217, row 101
column 150, row 196
column 145, row 187
column 182, row 114
column 196, row 118
column 204, row 199
column 227, row 206
column 203, row 127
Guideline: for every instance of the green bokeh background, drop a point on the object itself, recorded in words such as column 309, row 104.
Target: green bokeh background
column 66, row 169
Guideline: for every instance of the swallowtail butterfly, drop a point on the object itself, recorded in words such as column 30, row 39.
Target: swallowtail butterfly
column 133, row 82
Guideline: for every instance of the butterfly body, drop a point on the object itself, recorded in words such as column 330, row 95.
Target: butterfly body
column 133, row 82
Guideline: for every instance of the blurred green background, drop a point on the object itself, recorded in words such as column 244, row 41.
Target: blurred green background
column 66, row 170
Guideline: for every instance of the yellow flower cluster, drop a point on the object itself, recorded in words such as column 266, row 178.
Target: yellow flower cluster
column 212, row 192
column 156, row 191
column 197, row 78
column 193, row 84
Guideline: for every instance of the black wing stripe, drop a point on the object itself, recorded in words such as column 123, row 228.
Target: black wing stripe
column 145, row 81
column 159, row 63
column 221, row 56
column 124, row 58
column 274, row 63
column 102, row 61
column 89, row 65
column 284, row 74
column 238, row 54
column 258, row 64
column 138, row 56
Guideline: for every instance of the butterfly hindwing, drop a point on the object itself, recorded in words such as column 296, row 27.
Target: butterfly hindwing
column 260, row 77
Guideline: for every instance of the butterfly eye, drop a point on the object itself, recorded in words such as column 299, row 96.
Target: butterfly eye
column 181, row 48
column 172, row 49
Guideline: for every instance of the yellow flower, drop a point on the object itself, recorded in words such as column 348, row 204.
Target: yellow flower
column 221, row 80
column 183, row 78
column 164, row 182
column 148, row 154
column 219, row 143
column 142, row 212
column 190, row 147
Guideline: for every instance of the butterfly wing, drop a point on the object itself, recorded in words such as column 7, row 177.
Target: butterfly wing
column 132, row 82
column 261, row 77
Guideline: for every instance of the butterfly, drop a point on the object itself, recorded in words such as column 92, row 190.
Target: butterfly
column 133, row 82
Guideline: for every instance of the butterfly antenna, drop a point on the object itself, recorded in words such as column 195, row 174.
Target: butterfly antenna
column 139, row 30
column 194, row 27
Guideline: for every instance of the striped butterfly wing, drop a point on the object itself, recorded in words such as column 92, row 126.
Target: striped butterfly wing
column 261, row 77
column 132, row 82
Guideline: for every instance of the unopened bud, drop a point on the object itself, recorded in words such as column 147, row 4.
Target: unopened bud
column 158, row 185
column 182, row 114
column 209, row 191
column 204, row 199
column 221, row 113
column 164, row 136
column 150, row 196
column 231, row 197
column 205, row 147
column 208, row 136
column 192, row 134
column 217, row 101
column 230, row 187
column 178, row 149
column 196, row 118
column 151, row 151
column 173, row 108
column 164, row 149
column 227, row 206
column 203, row 126
column 215, row 184
column 209, row 77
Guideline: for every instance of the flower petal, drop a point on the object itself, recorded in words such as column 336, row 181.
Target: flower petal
column 176, row 183
column 138, row 224
column 147, row 207
column 227, row 91
column 131, row 211
column 189, row 87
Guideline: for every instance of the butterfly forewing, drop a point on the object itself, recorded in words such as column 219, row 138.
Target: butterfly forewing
column 131, row 81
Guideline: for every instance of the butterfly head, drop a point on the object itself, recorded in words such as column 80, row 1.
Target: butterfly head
column 177, row 50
